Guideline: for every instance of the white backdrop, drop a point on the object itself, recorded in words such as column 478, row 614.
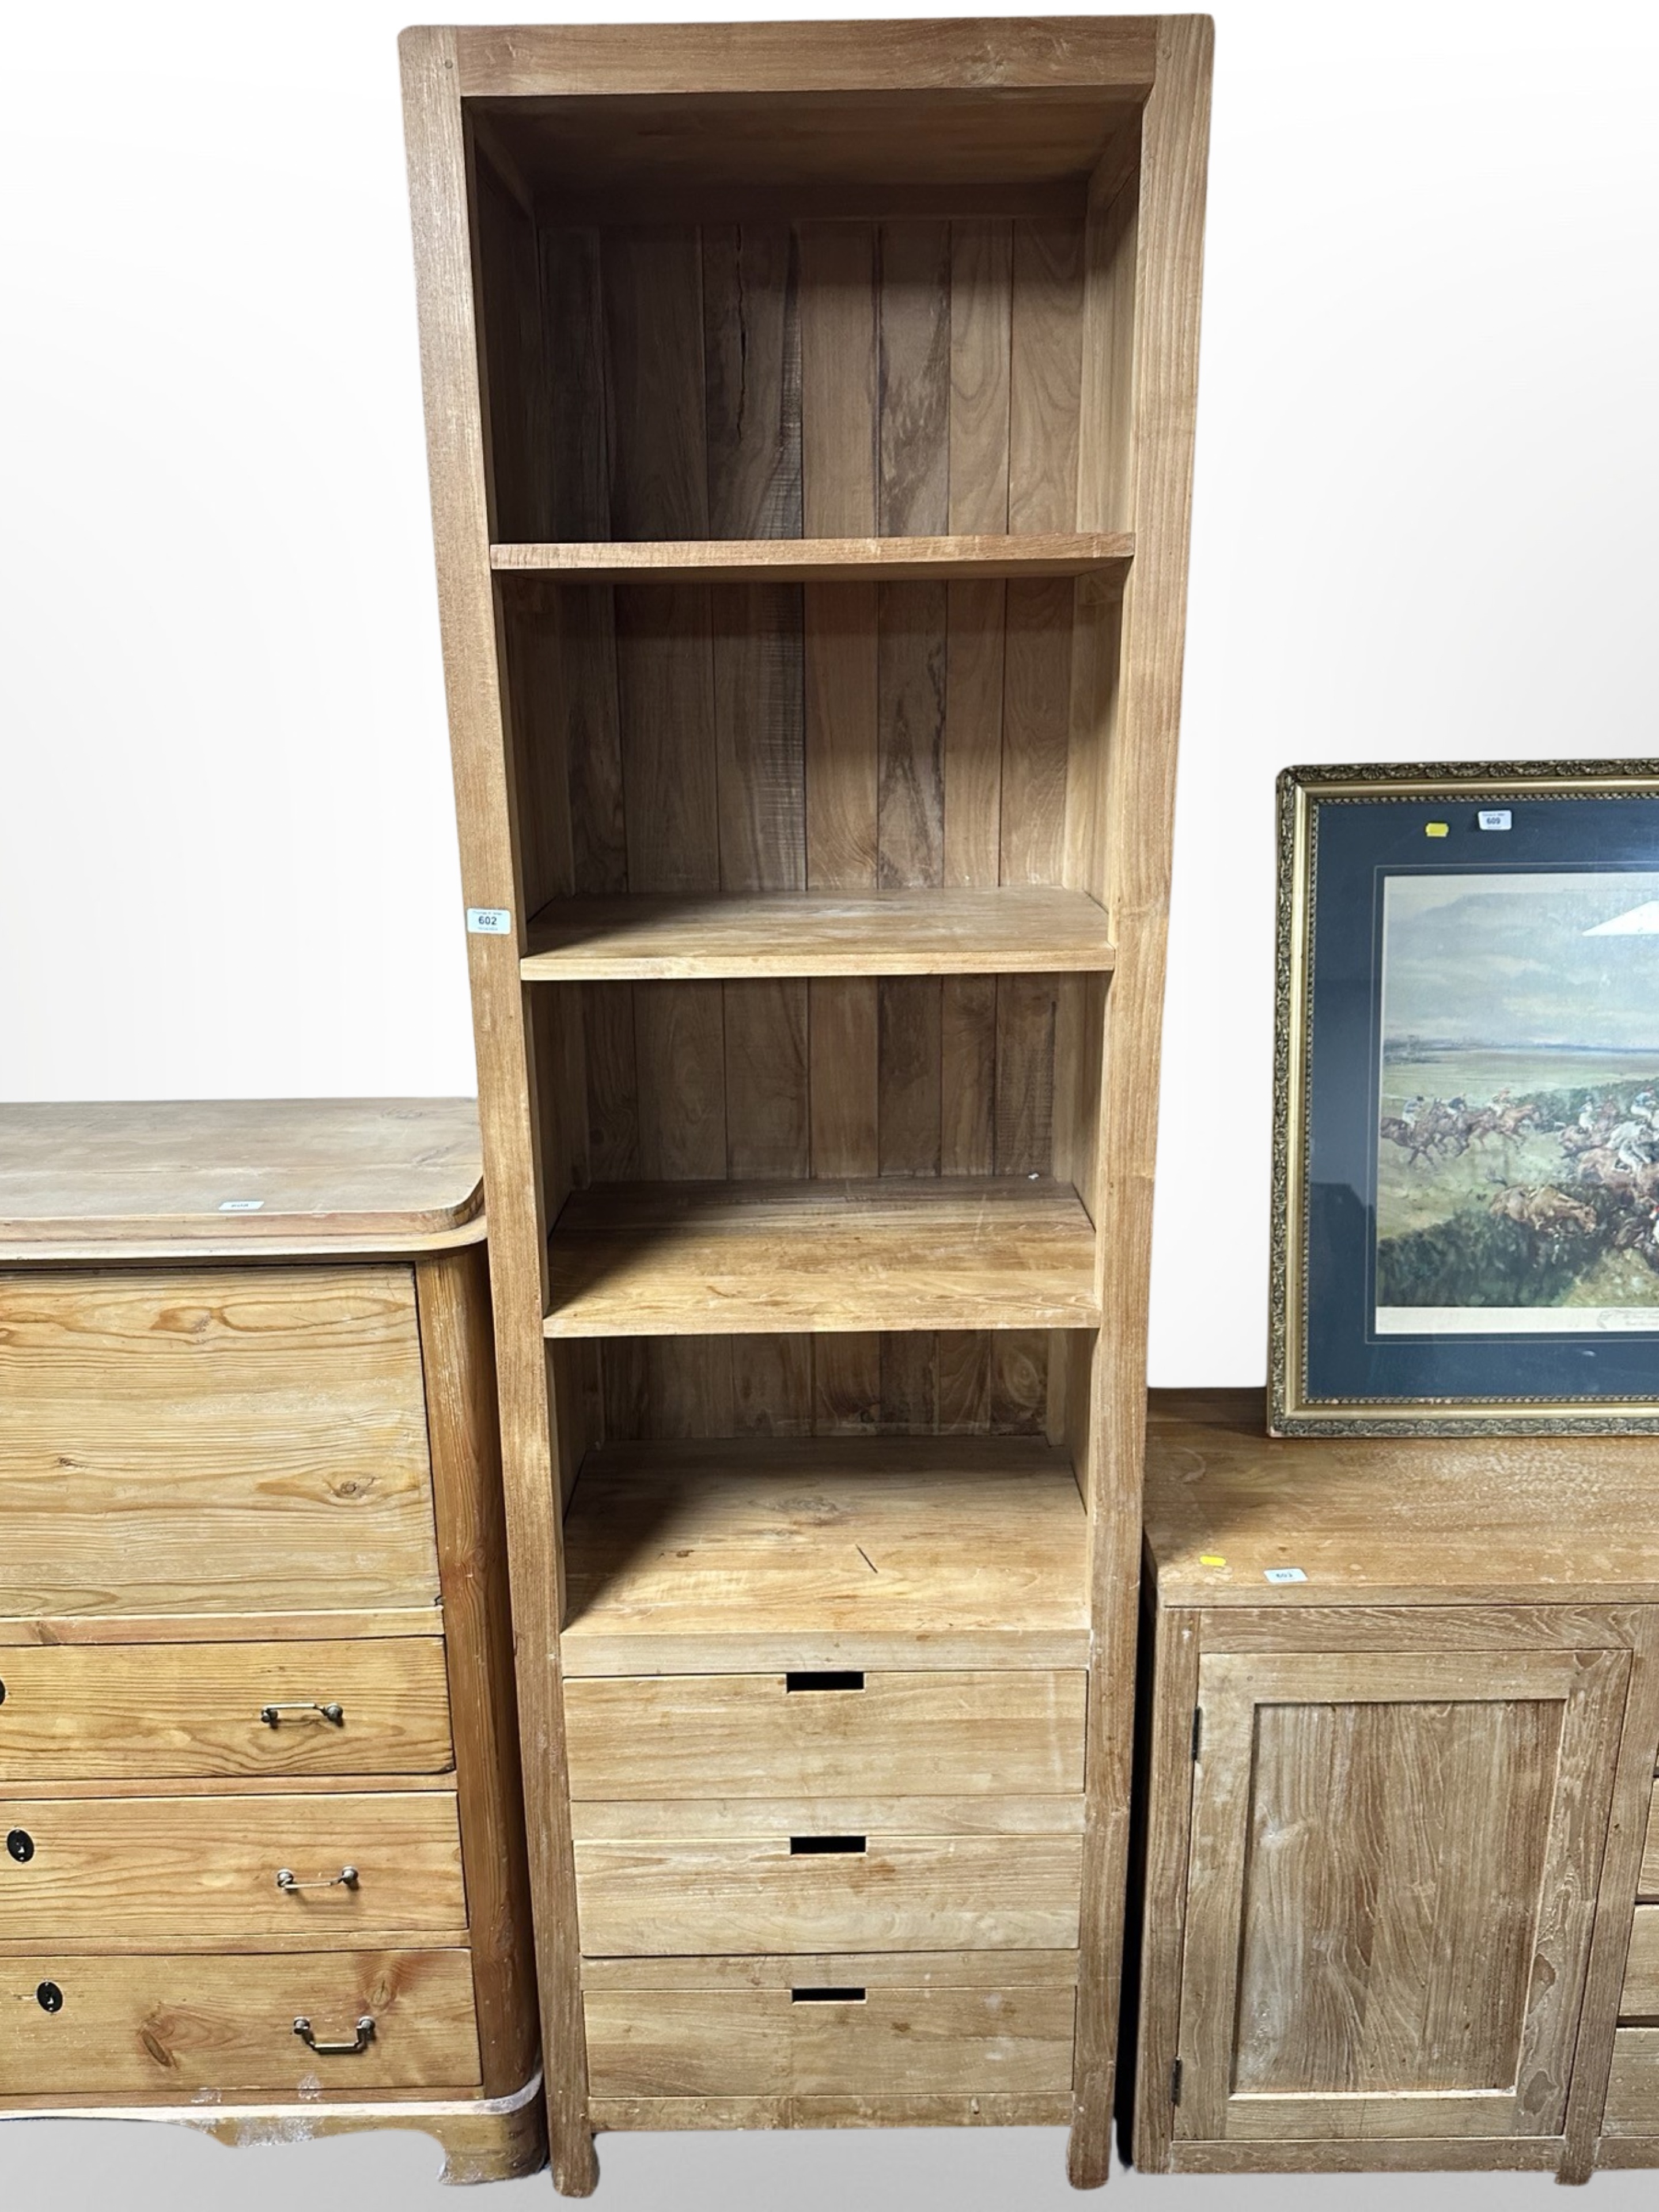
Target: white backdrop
column 1428, row 477
column 1425, row 529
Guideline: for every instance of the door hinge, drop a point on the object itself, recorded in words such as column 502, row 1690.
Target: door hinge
column 1198, row 1732
column 1175, row 2083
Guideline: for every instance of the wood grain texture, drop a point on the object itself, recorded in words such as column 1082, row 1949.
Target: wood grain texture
column 754, row 1894
column 1632, row 2106
column 1136, row 814
column 979, row 2110
column 1615, row 1949
column 1639, row 1998
column 1448, row 1521
column 1032, row 930
column 1394, row 2154
column 913, row 555
column 764, row 2043
column 778, row 1736
column 121, row 1712
column 182, row 2025
column 483, row 2138
column 762, row 1555
column 213, row 1441
column 1112, row 53
column 148, row 1180
column 464, row 1427
column 481, row 750
column 674, row 1259
column 1167, row 1812
column 160, row 1867
column 1392, row 1884
column 882, row 1970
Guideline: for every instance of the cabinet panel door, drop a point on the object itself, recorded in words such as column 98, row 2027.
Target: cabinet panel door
column 1391, row 1883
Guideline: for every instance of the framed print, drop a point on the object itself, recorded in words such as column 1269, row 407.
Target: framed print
column 1466, row 1138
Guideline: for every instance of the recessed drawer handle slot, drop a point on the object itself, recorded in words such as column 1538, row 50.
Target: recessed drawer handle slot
column 272, row 1715
column 365, row 2036
column 808, row 1847
column 845, row 1679
column 826, row 1996
column 346, row 1879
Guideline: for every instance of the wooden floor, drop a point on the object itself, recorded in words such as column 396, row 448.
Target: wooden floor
column 1011, row 929
column 760, row 1551
column 727, row 1258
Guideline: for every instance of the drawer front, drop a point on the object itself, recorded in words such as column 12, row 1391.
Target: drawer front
column 97, row 1867
column 826, row 2041
column 179, row 2026
column 779, row 1735
column 1641, row 1998
column 155, row 1712
column 219, row 1440
column 647, row 1897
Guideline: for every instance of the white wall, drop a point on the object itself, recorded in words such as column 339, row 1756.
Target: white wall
column 1427, row 486
column 1425, row 529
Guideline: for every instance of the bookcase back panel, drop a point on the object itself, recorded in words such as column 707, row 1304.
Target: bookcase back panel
column 910, row 376
column 944, row 1382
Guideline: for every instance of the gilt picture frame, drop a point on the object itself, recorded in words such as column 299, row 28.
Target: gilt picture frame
column 1466, row 1129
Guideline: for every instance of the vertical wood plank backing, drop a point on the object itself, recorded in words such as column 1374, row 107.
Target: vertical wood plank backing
column 752, row 368
column 1137, row 826
column 515, row 367
column 839, row 472
column 481, row 754
column 914, row 378
column 578, row 464
column 982, row 318
column 654, row 381
column 1047, row 373
column 452, row 1300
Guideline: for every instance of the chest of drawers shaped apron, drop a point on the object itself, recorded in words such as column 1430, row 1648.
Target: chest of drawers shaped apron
column 261, row 1834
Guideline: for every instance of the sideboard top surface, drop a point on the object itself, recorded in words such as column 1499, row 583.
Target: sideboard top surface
column 238, row 1178
column 1382, row 1520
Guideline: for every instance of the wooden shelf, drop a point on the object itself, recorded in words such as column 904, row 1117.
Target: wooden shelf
column 1015, row 929
column 760, row 1552
column 696, row 1258
column 822, row 560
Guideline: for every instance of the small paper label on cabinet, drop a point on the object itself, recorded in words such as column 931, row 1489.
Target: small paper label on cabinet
column 490, row 920
column 1283, row 1575
column 1494, row 817
column 241, row 1205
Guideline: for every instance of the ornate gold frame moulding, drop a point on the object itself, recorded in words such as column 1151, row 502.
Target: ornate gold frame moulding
column 1291, row 1410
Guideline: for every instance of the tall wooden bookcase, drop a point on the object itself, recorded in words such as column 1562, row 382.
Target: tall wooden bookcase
column 810, row 411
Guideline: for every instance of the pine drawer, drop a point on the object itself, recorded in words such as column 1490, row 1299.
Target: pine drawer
column 783, row 1736
column 873, row 2025
column 213, row 1440
column 91, row 1869
column 152, row 1712
column 178, row 2026
column 827, row 1875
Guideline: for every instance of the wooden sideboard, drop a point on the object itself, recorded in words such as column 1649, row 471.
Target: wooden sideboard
column 1398, row 1801
column 263, row 1867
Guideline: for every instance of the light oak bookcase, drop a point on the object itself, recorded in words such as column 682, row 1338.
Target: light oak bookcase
column 810, row 411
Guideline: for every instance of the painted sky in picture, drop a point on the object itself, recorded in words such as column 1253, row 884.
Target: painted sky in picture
column 1554, row 960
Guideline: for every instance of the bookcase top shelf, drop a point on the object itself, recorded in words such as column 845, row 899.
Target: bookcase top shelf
column 1012, row 929
column 823, row 560
column 701, row 1259
column 789, row 1552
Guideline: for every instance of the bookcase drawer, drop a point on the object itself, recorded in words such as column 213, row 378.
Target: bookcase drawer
column 824, row 1877
column 829, row 2034
column 213, row 1440
column 95, row 1868
column 177, row 2025
column 152, row 1712
column 817, row 1732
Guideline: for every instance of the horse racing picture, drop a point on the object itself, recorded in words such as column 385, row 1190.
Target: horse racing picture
column 1517, row 1130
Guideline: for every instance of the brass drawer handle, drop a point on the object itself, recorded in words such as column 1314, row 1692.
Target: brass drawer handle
column 365, row 2037
column 272, row 1715
column 346, row 1879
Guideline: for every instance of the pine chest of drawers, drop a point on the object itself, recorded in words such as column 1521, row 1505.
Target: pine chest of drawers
column 263, row 1862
